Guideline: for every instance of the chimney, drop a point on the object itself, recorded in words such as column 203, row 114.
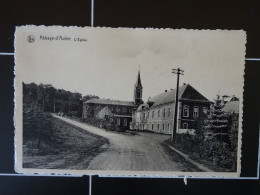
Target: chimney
column 165, row 91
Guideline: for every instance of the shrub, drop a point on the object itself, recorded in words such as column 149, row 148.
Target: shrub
column 37, row 126
column 217, row 152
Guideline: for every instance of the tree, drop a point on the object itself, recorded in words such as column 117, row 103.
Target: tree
column 88, row 97
column 199, row 126
column 233, row 131
column 218, row 122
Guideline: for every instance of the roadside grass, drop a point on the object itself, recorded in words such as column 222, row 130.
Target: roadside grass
column 196, row 158
column 175, row 157
column 65, row 147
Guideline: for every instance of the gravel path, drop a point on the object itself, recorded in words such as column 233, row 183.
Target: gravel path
column 141, row 152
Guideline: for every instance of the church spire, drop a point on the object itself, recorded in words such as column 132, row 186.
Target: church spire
column 138, row 90
column 138, row 81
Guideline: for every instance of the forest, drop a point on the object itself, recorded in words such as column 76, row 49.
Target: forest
column 51, row 99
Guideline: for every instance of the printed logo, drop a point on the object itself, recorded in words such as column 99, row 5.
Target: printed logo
column 30, row 38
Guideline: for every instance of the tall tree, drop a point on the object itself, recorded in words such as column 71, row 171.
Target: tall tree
column 218, row 121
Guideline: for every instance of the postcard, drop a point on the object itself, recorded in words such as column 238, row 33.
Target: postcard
column 128, row 102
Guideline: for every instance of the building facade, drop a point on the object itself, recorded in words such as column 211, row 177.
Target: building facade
column 115, row 112
column 157, row 113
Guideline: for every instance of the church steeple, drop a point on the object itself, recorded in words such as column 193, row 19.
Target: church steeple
column 138, row 90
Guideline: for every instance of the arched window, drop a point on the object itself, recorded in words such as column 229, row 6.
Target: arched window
column 185, row 126
column 158, row 126
column 186, row 111
column 163, row 126
column 164, row 113
column 152, row 126
column 144, row 115
column 152, row 114
column 169, row 126
column 148, row 115
column 158, row 113
column 118, row 121
column 125, row 122
column 196, row 112
column 169, row 112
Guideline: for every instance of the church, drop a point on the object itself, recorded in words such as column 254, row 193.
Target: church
column 116, row 112
column 156, row 114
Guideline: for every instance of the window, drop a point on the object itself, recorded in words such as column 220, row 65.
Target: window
column 118, row 121
column 158, row 113
column 196, row 112
column 124, row 109
column 152, row 126
column 144, row 115
column 111, row 120
column 185, row 126
column 148, row 115
column 169, row 112
column 164, row 112
column 186, row 111
column 158, row 126
column 125, row 122
column 169, row 126
column 205, row 110
column 163, row 126
column 152, row 114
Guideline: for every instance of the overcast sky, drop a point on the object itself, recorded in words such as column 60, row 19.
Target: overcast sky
column 107, row 64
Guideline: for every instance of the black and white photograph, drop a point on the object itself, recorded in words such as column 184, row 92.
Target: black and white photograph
column 123, row 101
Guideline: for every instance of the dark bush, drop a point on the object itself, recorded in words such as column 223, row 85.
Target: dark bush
column 218, row 151
column 37, row 127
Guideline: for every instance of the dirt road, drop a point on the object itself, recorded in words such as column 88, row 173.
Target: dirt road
column 141, row 152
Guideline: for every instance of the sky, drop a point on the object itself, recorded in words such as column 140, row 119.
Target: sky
column 107, row 63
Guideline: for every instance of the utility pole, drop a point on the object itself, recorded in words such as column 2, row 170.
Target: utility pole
column 178, row 72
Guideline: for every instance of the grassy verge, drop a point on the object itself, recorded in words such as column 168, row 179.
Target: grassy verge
column 194, row 156
column 175, row 157
column 61, row 146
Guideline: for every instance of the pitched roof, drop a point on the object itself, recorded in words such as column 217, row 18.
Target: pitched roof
column 186, row 92
column 167, row 97
column 231, row 107
column 109, row 102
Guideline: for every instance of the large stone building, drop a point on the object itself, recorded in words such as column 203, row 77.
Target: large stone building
column 158, row 112
column 114, row 111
